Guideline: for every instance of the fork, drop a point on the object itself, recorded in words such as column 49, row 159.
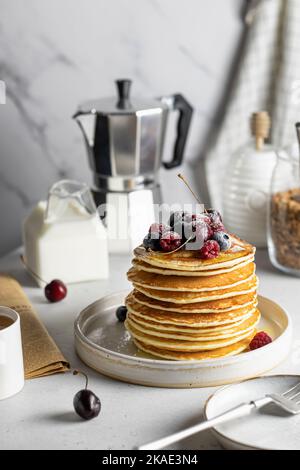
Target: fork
column 288, row 401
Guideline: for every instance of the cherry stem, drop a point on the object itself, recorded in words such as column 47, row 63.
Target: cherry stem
column 30, row 270
column 188, row 186
column 79, row 372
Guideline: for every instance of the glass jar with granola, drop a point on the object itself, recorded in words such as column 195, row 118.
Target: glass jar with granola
column 284, row 213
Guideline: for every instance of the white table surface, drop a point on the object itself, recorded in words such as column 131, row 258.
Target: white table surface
column 42, row 416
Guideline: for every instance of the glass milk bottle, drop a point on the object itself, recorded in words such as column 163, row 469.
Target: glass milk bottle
column 64, row 237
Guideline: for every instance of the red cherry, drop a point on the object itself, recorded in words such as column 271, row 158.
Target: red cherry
column 55, row 291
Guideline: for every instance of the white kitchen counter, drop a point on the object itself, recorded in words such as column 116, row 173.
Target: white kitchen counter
column 42, row 416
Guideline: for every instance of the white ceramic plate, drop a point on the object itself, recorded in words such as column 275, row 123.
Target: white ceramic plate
column 104, row 344
column 266, row 429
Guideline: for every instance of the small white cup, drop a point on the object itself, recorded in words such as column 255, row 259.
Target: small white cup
column 11, row 356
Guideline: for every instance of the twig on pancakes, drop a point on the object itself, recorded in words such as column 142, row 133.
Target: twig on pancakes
column 189, row 187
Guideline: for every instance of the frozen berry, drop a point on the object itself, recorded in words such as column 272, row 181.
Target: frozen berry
column 55, row 291
column 151, row 241
column 121, row 313
column 210, row 250
column 202, row 226
column 210, row 232
column 223, row 239
column 176, row 217
column 170, row 241
column 217, row 227
column 188, row 217
column 185, row 223
column 183, row 229
column 214, row 215
column 86, row 404
column 216, row 223
column 200, row 231
column 203, row 218
column 260, row 339
column 159, row 229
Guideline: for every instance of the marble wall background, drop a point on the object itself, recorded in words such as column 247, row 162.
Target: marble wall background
column 56, row 53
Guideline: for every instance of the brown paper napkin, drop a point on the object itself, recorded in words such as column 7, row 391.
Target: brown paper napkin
column 41, row 355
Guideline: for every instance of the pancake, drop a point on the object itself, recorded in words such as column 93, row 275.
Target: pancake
column 195, row 320
column 170, row 327
column 164, row 326
column 198, row 320
column 186, row 260
column 191, row 284
column 231, row 350
column 214, row 306
column 141, row 265
column 181, row 345
column 214, row 334
column 248, row 286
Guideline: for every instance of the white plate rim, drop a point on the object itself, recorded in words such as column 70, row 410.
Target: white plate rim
column 219, row 435
column 176, row 364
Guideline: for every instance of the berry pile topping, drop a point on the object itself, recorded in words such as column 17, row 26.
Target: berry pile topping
column 192, row 230
column 203, row 232
column 210, row 250
column 260, row 339
column 170, row 241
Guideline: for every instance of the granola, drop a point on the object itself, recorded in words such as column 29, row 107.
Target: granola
column 285, row 227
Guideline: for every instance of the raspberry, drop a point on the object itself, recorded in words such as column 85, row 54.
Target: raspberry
column 260, row 339
column 170, row 241
column 210, row 250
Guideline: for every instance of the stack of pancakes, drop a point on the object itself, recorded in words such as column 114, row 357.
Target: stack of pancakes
column 186, row 308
